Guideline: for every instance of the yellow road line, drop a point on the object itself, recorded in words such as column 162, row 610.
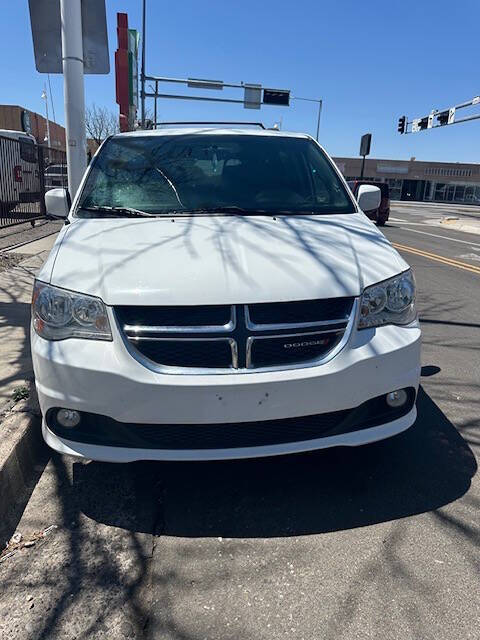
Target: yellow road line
column 433, row 256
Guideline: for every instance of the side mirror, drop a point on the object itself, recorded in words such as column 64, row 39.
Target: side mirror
column 57, row 203
column 368, row 197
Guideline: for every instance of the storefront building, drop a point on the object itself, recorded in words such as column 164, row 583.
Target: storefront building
column 417, row 180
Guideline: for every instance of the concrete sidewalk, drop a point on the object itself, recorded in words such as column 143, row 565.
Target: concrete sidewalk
column 15, row 297
column 22, row 451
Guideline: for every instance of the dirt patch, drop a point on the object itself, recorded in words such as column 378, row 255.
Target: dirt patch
column 9, row 260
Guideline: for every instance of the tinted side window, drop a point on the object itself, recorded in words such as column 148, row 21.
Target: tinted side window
column 28, row 151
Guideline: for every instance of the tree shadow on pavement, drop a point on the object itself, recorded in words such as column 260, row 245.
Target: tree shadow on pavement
column 426, row 467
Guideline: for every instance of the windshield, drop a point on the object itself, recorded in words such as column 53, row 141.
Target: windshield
column 193, row 173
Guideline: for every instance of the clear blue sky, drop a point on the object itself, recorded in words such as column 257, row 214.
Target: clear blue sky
column 370, row 61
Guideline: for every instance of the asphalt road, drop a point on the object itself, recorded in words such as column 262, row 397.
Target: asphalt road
column 376, row 542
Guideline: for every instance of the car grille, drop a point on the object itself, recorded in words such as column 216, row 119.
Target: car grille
column 223, row 338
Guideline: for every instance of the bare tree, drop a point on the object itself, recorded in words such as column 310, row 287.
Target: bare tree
column 100, row 123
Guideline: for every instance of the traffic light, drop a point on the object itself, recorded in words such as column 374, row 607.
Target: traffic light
column 442, row 117
column 402, row 124
column 276, row 96
column 423, row 123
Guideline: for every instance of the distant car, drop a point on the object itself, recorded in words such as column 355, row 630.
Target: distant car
column 56, row 176
column 380, row 215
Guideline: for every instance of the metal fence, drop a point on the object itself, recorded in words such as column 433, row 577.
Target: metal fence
column 27, row 171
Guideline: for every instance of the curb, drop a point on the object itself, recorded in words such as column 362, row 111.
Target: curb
column 23, row 455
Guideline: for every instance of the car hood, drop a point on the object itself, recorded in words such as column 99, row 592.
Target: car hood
column 221, row 259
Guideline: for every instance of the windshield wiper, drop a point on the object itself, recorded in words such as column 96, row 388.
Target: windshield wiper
column 119, row 212
column 227, row 209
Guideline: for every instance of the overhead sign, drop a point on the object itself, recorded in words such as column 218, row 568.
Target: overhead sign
column 198, row 83
column 253, row 96
column 280, row 97
column 416, row 125
column 47, row 37
column 365, row 143
column 451, row 115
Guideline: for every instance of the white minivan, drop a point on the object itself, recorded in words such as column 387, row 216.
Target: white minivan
column 218, row 293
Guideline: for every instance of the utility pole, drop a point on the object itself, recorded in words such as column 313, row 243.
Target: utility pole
column 142, row 78
column 45, row 97
column 74, row 94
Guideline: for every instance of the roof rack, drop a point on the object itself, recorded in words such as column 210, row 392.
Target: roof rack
column 248, row 124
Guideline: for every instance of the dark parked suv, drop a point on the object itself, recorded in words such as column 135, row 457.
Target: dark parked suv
column 380, row 215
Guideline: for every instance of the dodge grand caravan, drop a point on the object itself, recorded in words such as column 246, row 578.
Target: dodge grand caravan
column 217, row 293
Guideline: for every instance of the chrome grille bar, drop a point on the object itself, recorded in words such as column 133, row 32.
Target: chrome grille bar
column 140, row 330
column 252, row 326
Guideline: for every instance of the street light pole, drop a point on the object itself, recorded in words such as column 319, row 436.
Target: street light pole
column 45, row 97
column 74, row 93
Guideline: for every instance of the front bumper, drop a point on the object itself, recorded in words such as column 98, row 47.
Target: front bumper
column 103, row 378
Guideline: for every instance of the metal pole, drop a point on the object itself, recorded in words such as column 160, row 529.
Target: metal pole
column 155, row 107
column 142, row 79
column 175, row 97
column 51, row 99
column 73, row 90
column 320, row 103
column 49, row 143
column 363, row 167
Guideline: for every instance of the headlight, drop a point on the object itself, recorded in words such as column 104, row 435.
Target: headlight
column 58, row 314
column 389, row 302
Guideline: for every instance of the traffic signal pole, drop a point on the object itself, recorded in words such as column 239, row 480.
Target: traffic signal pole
column 74, row 93
column 255, row 95
column 443, row 118
column 320, row 105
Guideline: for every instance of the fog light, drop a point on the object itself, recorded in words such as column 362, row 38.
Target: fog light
column 396, row 399
column 68, row 418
